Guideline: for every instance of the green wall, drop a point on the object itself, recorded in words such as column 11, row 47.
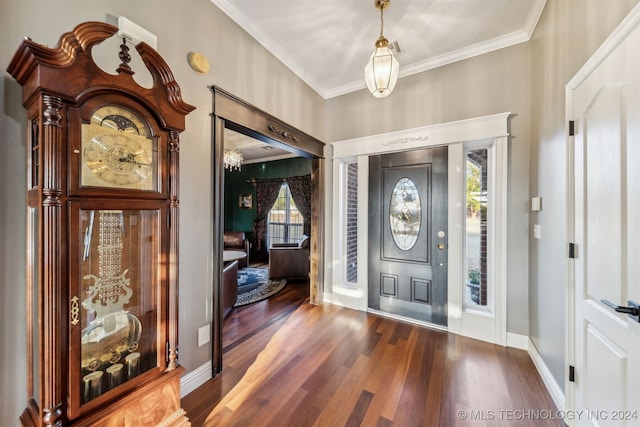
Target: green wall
column 235, row 184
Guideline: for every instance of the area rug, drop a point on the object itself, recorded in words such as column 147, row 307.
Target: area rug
column 262, row 292
column 250, row 278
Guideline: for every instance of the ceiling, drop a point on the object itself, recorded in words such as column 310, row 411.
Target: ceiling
column 253, row 150
column 327, row 43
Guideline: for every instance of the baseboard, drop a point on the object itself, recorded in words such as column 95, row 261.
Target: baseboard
column 549, row 381
column 195, row 379
column 518, row 341
column 327, row 298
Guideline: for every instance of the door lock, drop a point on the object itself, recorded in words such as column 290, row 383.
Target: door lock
column 441, row 246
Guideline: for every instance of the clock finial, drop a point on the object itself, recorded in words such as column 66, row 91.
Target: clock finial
column 125, row 58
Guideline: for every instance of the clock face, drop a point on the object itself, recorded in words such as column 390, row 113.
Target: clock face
column 118, row 151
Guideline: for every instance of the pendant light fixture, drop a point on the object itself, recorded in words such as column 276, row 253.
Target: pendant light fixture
column 232, row 159
column 381, row 72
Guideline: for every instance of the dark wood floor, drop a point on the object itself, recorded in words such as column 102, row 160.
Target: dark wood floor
column 288, row 363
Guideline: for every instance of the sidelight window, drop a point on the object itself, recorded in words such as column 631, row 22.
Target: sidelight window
column 352, row 223
column 477, row 188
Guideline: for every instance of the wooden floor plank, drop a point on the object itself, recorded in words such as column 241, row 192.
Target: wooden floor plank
column 287, row 363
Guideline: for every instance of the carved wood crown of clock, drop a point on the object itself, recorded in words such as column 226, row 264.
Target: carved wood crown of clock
column 74, row 47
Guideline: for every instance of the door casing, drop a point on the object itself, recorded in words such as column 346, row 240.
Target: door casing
column 234, row 113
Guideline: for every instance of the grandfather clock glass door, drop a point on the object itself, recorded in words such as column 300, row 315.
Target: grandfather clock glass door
column 115, row 323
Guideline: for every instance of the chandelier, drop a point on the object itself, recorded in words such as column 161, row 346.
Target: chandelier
column 381, row 72
column 232, row 159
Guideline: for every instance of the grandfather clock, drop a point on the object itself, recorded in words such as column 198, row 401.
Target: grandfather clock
column 102, row 235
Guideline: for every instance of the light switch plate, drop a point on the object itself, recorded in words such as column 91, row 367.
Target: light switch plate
column 536, row 204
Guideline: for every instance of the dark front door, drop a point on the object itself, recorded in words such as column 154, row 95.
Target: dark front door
column 408, row 234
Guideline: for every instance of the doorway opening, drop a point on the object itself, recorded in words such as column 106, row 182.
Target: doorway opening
column 232, row 116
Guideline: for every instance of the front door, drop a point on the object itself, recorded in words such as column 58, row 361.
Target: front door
column 606, row 107
column 408, row 234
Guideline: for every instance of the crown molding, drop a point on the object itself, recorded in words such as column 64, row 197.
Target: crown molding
column 268, row 43
column 477, row 49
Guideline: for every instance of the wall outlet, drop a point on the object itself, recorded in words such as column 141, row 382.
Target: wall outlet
column 204, row 335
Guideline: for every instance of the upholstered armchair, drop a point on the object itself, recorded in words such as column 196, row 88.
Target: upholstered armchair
column 229, row 287
column 289, row 260
column 236, row 241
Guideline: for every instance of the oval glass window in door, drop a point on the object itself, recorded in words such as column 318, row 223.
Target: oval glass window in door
column 405, row 214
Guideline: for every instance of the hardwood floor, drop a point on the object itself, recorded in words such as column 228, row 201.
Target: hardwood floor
column 288, row 363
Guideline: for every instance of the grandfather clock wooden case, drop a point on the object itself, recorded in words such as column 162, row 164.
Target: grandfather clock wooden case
column 102, row 235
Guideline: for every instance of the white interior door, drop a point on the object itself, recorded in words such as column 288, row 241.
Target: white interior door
column 605, row 105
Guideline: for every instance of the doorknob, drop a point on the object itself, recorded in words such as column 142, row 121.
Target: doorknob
column 633, row 310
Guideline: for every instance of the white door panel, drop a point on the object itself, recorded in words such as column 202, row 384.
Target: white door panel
column 605, row 188
column 604, row 360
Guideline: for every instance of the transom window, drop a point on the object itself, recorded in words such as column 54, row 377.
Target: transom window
column 285, row 222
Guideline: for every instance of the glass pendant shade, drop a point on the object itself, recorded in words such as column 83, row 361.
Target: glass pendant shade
column 381, row 72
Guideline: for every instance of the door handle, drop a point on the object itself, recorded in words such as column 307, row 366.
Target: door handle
column 633, row 310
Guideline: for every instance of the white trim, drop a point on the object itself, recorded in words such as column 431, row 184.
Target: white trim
column 622, row 31
column 569, row 327
column 547, row 377
column 455, row 221
column 534, row 16
column 474, row 129
column 492, row 130
column 194, row 379
column 517, row 341
column 489, row 323
column 347, row 294
column 499, row 231
column 268, row 43
column 467, row 52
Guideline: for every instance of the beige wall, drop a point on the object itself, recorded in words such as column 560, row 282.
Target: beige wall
column 238, row 64
column 567, row 35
